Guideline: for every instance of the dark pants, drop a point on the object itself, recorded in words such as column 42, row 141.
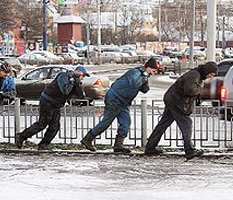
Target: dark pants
column 169, row 116
column 49, row 116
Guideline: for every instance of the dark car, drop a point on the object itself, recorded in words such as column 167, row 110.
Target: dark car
column 30, row 85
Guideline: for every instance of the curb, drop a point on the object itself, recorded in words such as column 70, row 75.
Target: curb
column 107, row 152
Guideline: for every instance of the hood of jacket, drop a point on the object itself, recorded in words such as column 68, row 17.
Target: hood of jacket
column 209, row 67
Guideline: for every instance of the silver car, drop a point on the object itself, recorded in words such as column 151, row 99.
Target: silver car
column 30, row 85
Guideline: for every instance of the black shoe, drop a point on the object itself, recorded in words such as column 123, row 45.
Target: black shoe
column 42, row 147
column 194, row 153
column 19, row 141
column 121, row 150
column 154, row 152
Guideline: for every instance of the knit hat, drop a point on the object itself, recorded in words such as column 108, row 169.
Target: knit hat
column 207, row 68
column 152, row 63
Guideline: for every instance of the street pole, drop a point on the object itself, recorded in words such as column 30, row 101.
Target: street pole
column 211, row 29
column 88, row 36
column 223, row 33
column 191, row 43
column 160, row 28
column 44, row 27
column 98, row 31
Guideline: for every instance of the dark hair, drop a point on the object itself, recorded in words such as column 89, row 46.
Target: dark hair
column 152, row 63
column 5, row 67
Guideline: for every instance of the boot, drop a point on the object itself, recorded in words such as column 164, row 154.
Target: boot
column 87, row 140
column 118, row 146
column 19, row 140
column 154, row 152
column 42, row 147
column 194, row 153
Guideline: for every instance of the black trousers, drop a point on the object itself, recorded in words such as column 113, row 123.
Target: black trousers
column 169, row 116
column 49, row 116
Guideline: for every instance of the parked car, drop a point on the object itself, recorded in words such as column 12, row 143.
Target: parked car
column 109, row 57
column 33, row 59
column 226, row 96
column 228, row 52
column 49, row 55
column 133, row 55
column 30, row 85
column 143, row 56
column 72, row 58
column 198, row 53
column 170, row 51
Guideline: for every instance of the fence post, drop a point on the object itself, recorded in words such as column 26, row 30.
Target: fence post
column 17, row 115
column 144, row 122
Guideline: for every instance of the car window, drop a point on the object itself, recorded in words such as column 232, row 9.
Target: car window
column 223, row 68
column 55, row 71
column 38, row 74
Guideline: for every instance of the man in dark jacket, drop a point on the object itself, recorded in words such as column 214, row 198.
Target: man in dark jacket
column 179, row 102
column 117, row 101
column 61, row 89
column 7, row 84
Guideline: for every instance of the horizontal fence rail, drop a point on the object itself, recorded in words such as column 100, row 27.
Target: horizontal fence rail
column 212, row 125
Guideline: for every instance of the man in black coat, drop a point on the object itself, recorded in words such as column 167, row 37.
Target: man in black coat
column 179, row 102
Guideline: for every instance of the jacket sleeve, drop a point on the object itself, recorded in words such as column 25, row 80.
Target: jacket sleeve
column 65, row 83
column 138, row 81
column 9, row 88
column 192, row 84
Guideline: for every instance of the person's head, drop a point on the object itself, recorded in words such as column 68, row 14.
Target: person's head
column 208, row 70
column 5, row 70
column 152, row 65
column 82, row 71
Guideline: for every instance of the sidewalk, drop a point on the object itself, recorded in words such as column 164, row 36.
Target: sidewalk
column 79, row 175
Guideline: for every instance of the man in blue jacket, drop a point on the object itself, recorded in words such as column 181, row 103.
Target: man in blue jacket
column 52, row 99
column 117, row 102
column 7, row 84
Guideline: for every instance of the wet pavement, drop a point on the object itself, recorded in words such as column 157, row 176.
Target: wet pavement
column 87, row 176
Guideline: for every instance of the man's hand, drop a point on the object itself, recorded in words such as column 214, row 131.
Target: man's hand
column 76, row 79
column 1, row 94
column 144, row 79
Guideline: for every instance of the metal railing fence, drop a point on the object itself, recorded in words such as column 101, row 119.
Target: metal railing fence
column 212, row 126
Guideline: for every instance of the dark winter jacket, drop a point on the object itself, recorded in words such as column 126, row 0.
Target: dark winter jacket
column 126, row 87
column 62, row 88
column 183, row 93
